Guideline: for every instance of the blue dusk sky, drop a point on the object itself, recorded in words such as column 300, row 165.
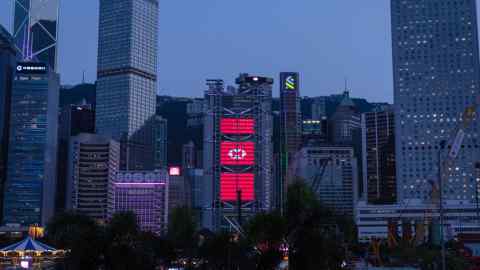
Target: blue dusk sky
column 325, row 40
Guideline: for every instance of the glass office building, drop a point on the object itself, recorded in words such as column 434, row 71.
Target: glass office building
column 29, row 196
column 35, row 27
column 7, row 67
column 127, row 77
column 436, row 76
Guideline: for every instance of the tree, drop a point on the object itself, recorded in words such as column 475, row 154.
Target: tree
column 267, row 232
column 125, row 250
column 79, row 234
column 225, row 251
column 312, row 231
column 181, row 230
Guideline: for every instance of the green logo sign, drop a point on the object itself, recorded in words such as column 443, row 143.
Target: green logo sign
column 290, row 83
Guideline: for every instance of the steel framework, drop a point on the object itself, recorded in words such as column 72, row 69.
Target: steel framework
column 251, row 100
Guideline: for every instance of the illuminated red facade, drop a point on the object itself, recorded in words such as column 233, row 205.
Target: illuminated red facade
column 237, row 126
column 237, row 153
column 230, row 183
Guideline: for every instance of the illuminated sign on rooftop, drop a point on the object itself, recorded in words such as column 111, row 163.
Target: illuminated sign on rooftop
column 31, row 68
column 289, row 81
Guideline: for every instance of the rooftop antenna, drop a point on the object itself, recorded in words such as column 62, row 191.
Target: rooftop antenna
column 346, row 92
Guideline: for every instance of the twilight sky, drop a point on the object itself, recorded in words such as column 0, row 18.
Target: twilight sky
column 325, row 40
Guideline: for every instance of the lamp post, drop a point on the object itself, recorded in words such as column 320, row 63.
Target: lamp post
column 477, row 179
column 440, row 187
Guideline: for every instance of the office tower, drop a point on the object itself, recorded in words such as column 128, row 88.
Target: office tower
column 7, row 68
column 319, row 108
column 178, row 191
column 238, row 151
column 314, row 132
column 378, row 141
column 345, row 121
column 35, row 29
column 436, row 76
column 290, row 111
column 93, row 162
column 331, row 171
column 73, row 120
column 160, row 137
column 144, row 193
column 127, row 77
column 290, row 127
column 194, row 179
column 195, row 113
column 29, row 196
column 188, row 155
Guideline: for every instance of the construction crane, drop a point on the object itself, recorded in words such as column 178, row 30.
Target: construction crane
column 456, row 145
column 444, row 163
column 317, row 178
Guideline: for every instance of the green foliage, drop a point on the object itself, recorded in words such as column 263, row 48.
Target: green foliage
column 312, row 231
column 314, row 235
column 267, row 232
column 79, row 234
column 226, row 251
column 267, row 228
column 181, row 230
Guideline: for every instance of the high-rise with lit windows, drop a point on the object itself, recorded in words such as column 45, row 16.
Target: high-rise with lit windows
column 127, row 77
column 29, row 194
column 436, row 76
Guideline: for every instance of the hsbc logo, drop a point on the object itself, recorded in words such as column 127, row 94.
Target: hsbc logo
column 237, row 154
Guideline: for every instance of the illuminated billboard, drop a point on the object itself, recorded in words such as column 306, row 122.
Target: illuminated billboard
column 230, row 183
column 289, row 81
column 240, row 126
column 237, row 153
column 174, row 171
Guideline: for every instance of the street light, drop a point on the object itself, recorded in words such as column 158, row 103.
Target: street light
column 477, row 179
column 440, row 187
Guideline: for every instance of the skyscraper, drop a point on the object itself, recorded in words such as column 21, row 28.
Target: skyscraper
column 93, row 162
column 35, row 30
column 290, row 128
column 378, row 157
column 188, row 155
column 436, row 76
column 127, row 77
column 160, row 136
column 345, row 121
column 7, row 69
column 32, row 155
column 237, row 151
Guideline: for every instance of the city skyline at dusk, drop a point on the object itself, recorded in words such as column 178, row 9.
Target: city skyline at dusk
column 215, row 39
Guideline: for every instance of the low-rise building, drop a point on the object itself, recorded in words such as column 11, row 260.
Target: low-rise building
column 144, row 193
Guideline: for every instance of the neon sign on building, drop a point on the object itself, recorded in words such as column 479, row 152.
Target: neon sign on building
column 230, row 183
column 238, row 126
column 237, row 153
